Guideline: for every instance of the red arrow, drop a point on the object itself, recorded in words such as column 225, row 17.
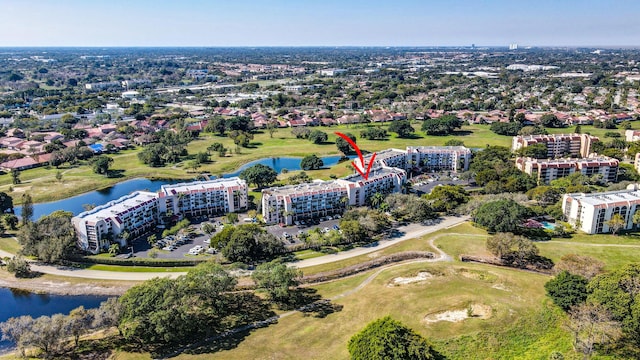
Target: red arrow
column 365, row 174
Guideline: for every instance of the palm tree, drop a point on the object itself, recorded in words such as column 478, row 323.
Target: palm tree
column 376, row 200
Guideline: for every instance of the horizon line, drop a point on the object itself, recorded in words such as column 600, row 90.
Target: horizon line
column 473, row 46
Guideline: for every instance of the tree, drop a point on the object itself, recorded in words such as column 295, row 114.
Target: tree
column 208, row 228
column 343, row 145
column 318, row 137
column 101, row 164
column 615, row 223
column 389, row 339
column 444, row 125
column 15, row 176
column 447, row 197
column 503, row 215
column 508, row 129
column 537, row 151
column 567, row 290
column 259, row 174
column 545, row 195
column 590, row 325
column 17, row 330
column 402, row 127
column 6, row 203
column 272, row 127
column 59, row 176
column 551, row 121
column 52, row 239
column 311, row 162
column 114, row 249
column 276, row 279
column 79, row 322
column 47, row 333
column 353, row 231
column 619, row 293
column 27, row 208
column 513, row 249
column 410, row 208
column 372, row 133
column 18, row 266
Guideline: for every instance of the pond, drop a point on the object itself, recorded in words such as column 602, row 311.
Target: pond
column 98, row 197
column 17, row 303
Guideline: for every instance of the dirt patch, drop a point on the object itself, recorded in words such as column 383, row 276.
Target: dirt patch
column 500, row 287
column 479, row 311
column 476, row 275
column 45, row 286
column 421, row 276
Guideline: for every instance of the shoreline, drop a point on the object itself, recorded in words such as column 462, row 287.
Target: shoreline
column 42, row 285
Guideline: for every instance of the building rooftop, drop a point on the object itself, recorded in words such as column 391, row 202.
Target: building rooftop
column 119, row 206
column 376, row 172
column 437, row 148
column 302, row 188
column 609, row 197
column 196, row 186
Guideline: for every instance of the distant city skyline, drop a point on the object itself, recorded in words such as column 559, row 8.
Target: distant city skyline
column 319, row 23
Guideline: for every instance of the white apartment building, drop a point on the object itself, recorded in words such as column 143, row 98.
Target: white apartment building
column 298, row 202
column 547, row 170
column 590, row 212
column 139, row 212
column 632, row 135
column 305, row 201
column 136, row 213
column 427, row 158
column 558, row 145
column 439, row 158
column 217, row 196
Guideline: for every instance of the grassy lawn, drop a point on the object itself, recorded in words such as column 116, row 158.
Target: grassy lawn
column 134, row 268
column 9, row 244
column 453, row 288
column 307, row 254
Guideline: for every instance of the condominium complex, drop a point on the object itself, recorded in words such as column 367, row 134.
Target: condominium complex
column 425, row 158
column 136, row 213
column 141, row 211
column 439, row 158
column 591, row 212
column 297, row 202
column 558, row 145
column 547, row 170
column 288, row 204
column 204, row 197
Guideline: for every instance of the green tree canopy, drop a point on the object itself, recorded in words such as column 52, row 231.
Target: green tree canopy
column 260, row 175
column 311, row 162
column 388, row 339
column 502, row 216
column 567, row 290
column 276, row 279
column 444, row 125
column 344, row 146
column 402, row 127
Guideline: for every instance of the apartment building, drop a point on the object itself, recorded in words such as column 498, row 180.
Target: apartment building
column 139, row 212
column 547, row 170
column 97, row 228
column 292, row 203
column 197, row 198
column 427, row 158
column 439, row 158
column 558, row 145
column 591, row 212
column 288, row 204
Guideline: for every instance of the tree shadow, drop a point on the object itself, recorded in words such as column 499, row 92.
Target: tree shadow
column 115, row 174
column 321, row 308
column 412, row 136
column 462, row 133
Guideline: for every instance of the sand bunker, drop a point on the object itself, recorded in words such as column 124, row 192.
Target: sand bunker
column 476, row 311
column 422, row 276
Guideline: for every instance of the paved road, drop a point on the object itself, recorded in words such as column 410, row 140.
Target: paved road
column 410, row 231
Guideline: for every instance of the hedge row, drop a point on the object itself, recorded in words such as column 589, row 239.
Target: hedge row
column 135, row 261
column 354, row 269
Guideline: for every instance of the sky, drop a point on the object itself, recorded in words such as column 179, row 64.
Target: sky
column 104, row 23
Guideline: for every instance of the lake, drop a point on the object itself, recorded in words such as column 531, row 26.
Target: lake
column 17, row 303
column 98, row 197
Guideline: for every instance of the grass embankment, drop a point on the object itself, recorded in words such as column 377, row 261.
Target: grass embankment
column 9, row 244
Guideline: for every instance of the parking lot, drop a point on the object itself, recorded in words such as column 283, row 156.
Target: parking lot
column 141, row 247
column 294, row 230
